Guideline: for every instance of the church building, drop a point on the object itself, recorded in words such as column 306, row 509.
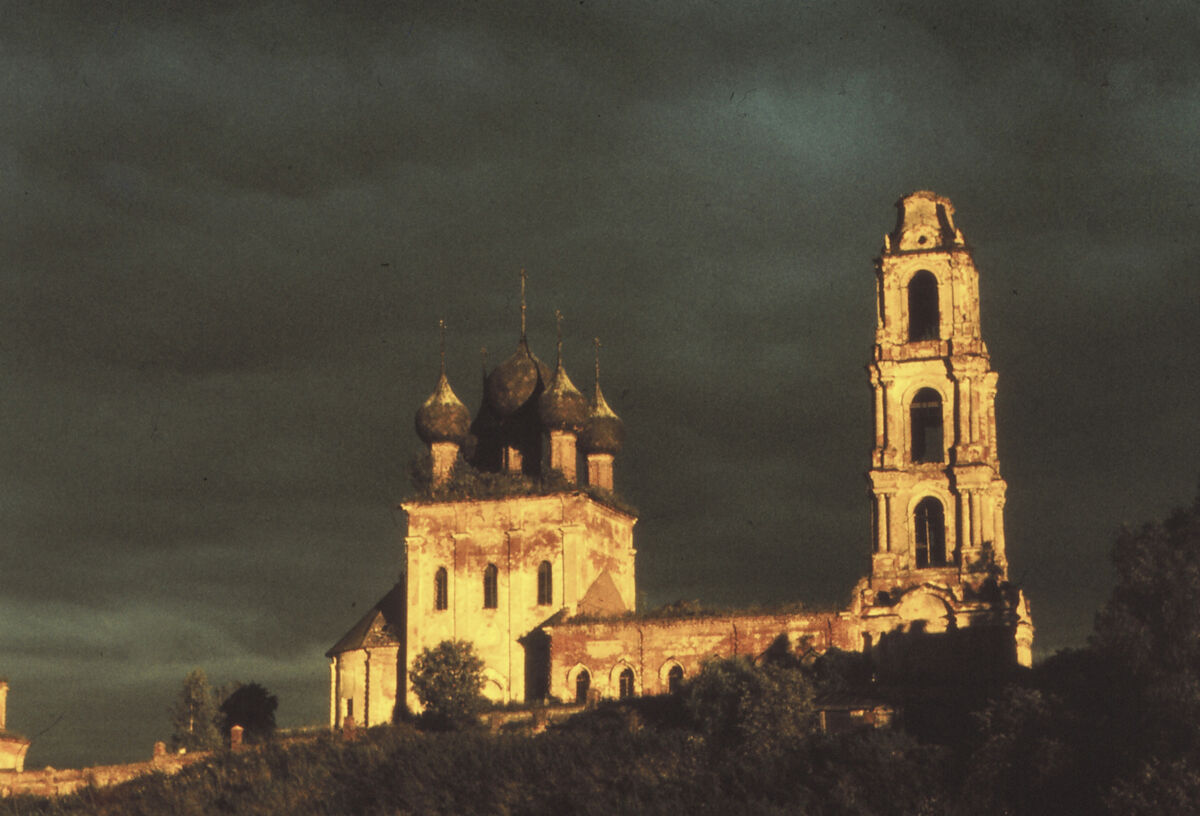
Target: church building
column 518, row 543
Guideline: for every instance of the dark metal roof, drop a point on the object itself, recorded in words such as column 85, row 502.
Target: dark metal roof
column 383, row 625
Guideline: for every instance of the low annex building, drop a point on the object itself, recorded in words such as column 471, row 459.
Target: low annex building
column 518, row 544
column 13, row 747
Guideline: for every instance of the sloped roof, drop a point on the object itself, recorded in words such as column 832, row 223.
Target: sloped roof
column 383, row 625
column 602, row 598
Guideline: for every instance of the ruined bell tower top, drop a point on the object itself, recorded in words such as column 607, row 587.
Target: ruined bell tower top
column 924, row 222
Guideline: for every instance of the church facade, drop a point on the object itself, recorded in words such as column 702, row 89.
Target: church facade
column 518, row 544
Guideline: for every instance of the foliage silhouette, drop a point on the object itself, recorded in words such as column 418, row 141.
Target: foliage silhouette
column 253, row 708
column 448, row 679
column 194, row 715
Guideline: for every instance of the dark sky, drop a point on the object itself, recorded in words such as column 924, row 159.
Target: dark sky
column 229, row 231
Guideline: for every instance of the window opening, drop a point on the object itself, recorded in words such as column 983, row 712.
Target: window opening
column 441, row 595
column 545, row 595
column 925, row 419
column 625, row 689
column 583, row 683
column 923, row 315
column 929, row 521
column 675, row 679
column 490, row 595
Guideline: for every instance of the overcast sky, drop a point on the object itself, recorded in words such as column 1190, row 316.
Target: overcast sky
column 229, row 230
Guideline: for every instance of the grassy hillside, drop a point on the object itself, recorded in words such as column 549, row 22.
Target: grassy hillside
column 601, row 765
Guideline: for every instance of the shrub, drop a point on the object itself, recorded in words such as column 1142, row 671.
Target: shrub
column 447, row 679
column 736, row 703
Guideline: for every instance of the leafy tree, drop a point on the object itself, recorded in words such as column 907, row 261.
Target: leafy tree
column 448, row 679
column 1150, row 627
column 737, row 703
column 194, row 715
column 253, row 708
column 1149, row 632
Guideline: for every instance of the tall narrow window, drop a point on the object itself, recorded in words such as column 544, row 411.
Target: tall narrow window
column 441, row 594
column 490, row 596
column 675, row 679
column 923, row 314
column 545, row 584
column 583, row 682
column 925, row 418
column 625, row 684
column 929, row 525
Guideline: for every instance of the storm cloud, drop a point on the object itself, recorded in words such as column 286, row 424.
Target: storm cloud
column 229, row 230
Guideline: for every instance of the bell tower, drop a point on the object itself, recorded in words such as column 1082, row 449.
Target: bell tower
column 935, row 477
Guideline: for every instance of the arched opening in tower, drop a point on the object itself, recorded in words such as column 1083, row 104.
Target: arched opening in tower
column 929, row 525
column 923, row 314
column 925, row 419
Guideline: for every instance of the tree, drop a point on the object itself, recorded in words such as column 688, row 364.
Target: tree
column 194, row 715
column 1150, row 627
column 1149, row 633
column 253, row 708
column 448, row 679
column 738, row 703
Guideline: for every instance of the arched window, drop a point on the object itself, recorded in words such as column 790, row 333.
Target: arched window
column 923, row 315
column 675, row 679
column 583, row 682
column 625, row 683
column 490, row 595
column 441, row 594
column 925, row 419
column 929, row 524
column 545, row 584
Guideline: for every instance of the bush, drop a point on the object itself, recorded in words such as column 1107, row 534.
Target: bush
column 253, row 708
column 737, row 704
column 447, row 679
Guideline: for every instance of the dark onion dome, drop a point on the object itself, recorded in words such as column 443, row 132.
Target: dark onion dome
column 561, row 406
column 603, row 431
column 515, row 381
column 443, row 417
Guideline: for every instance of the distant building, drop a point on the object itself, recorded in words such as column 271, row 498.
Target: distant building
column 520, row 546
column 13, row 747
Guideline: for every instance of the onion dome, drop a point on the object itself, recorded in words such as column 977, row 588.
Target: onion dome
column 561, row 406
column 603, row 431
column 443, row 417
column 515, row 381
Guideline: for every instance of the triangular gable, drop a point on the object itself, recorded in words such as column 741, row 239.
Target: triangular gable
column 602, row 598
column 383, row 625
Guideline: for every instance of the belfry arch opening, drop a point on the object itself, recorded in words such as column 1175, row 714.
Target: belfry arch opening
column 929, row 533
column 923, row 313
column 925, row 421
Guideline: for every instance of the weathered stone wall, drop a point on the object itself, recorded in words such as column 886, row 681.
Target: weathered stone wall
column 12, row 752
column 363, row 685
column 580, row 538
column 52, row 782
column 651, row 647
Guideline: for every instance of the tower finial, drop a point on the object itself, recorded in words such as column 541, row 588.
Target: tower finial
column 523, row 304
column 442, row 331
column 558, row 324
column 596, row 343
